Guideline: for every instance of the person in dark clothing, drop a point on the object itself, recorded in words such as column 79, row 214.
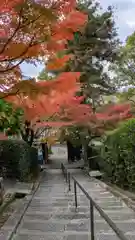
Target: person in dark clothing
column 45, row 152
column 78, row 150
column 70, row 151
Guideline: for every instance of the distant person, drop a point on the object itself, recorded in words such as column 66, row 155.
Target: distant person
column 77, row 152
column 40, row 155
column 70, row 152
column 45, row 152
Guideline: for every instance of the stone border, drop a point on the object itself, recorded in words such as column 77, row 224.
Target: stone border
column 10, row 227
column 8, row 198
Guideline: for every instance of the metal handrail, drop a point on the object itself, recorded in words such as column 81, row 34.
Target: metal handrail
column 93, row 204
column 64, row 171
column 67, row 176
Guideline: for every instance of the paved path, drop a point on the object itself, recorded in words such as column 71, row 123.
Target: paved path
column 60, row 156
column 51, row 215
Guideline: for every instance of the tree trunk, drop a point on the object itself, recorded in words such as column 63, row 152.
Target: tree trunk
column 28, row 134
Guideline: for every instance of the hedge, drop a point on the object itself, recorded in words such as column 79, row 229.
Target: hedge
column 118, row 156
column 18, row 159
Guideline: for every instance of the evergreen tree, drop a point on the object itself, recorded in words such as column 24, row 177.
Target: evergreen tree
column 93, row 48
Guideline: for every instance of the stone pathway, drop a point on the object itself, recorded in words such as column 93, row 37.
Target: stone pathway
column 60, row 156
column 51, row 214
column 113, row 206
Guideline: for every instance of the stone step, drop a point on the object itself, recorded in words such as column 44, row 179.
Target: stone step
column 70, row 213
column 114, row 216
column 101, row 203
column 24, row 235
column 79, row 236
column 74, row 225
column 43, row 201
column 84, row 236
column 52, row 214
column 123, row 217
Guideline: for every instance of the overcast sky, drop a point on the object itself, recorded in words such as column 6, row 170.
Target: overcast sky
column 125, row 22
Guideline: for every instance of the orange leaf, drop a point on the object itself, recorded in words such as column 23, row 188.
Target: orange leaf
column 56, row 46
column 58, row 63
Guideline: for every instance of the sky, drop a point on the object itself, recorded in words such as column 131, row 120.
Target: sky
column 125, row 23
column 124, row 16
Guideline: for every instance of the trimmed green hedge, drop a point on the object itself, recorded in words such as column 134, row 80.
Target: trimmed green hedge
column 18, row 159
column 118, row 156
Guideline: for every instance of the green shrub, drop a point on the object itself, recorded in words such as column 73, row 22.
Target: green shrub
column 118, row 156
column 18, row 158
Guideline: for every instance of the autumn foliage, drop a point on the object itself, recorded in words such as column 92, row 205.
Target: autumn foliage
column 31, row 30
column 28, row 36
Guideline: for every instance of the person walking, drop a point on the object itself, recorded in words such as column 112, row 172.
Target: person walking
column 45, row 152
column 78, row 150
column 70, row 151
column 40, row 156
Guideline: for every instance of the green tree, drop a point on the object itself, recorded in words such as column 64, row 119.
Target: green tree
column 45, row 76
column 124, row 67
column 12, row 122
column 10, row 118
column 124, row 71
column 94, row 47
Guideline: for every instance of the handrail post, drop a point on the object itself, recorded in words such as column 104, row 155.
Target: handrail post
column 69, row 183
column 66, row 174
column 92, row 220
column 75, row 192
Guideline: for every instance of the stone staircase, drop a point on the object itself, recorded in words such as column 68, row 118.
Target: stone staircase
column 114, row 207
column 52, row 215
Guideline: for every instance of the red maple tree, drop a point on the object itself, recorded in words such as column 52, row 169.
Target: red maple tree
column 29, row 31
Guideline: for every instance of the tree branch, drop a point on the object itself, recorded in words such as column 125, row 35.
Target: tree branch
column 14, row 33
column 131, row 100
column 38, row 134
column 19, row 27
column 9, row 94
column 23, row 53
